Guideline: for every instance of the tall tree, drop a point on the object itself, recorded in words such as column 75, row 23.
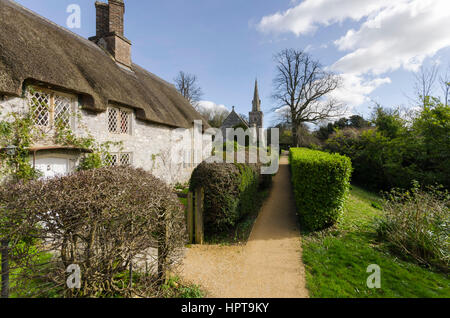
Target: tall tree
column 444, row 80
column 302, row 84
column 425, row 79
column 357, row 121
column 187, row 85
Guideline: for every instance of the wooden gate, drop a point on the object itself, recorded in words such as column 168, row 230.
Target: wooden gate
column 195, row 216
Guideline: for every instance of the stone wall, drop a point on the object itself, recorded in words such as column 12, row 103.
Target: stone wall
column 152, row 146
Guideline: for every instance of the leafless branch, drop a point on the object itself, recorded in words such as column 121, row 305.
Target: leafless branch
column 187, row 85
column 444, row 81
column 425, row 79
column 302, row 84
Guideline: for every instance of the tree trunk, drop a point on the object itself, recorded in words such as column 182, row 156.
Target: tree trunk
column 295, row 136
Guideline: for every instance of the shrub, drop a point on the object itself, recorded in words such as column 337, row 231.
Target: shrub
column 416, row 223
column 321, row 183
column 231, row 192
column 100, row 219
column 395, row 153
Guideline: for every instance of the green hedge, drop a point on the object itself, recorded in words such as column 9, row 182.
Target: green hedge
column 321, row 182
column 231, row 192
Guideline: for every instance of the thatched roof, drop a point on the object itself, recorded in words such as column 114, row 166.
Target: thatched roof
column 33, row 49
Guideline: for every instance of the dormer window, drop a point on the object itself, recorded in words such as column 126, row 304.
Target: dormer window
column 119, row 121
column 51, row 109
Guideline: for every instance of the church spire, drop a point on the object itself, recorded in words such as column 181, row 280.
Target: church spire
column 256, row 101
column 256, row 115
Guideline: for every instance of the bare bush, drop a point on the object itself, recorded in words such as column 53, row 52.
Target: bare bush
column 416, row 224
column 101, row 220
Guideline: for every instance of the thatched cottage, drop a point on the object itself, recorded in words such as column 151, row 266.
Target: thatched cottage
column 117, row 100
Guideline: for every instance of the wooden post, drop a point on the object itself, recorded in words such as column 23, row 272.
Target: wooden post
column 162, row 248
column 199, row 197
column 190, row 217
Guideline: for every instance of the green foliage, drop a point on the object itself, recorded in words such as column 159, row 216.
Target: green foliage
column 416, row 224
column 231, row 192
column 388, row 122
column 432, row 131
column 355, row 121
column 232, row 145
column 394, row 153
column 100, row 151
column 366, row 148
column 175, row 288
column 18, row 130
column 336, row 259
column 321, row 182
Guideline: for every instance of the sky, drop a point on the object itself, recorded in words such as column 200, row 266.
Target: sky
column 375, row 45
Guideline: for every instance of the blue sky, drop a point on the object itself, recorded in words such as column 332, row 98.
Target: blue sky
column 375, row 44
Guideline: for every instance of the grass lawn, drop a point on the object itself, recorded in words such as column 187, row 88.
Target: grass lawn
column 38, row 287
column 336, row 259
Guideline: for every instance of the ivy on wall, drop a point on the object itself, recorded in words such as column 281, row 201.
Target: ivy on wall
column 18, row 133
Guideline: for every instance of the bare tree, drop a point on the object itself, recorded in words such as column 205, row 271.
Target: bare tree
column 187, row 85
column 302, row 84
column 283, row 116
column 444, row 81
column 215, row 117
column 245, row 117
column 425, row 79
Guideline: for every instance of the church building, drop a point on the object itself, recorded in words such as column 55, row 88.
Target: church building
column 234, row 120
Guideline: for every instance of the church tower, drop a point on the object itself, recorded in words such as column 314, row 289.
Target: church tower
column 256, row 115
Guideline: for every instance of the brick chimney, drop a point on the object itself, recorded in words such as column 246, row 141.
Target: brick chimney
column 110, row 31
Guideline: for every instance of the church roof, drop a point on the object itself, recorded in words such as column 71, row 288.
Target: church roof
column 233, row 120
column 36, row 50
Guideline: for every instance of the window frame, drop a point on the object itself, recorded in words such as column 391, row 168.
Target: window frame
column 52, row 106
column 119, row 111
column 118, row 160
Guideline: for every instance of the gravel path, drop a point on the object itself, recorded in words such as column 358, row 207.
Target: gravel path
column 269, row 265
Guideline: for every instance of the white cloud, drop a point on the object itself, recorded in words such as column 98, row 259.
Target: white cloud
column 393, row 34
column 307, row 16
column 211, row 106
column 400, row 36
column 355, row 89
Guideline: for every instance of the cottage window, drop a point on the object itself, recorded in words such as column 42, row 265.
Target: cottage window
column 51, row 109
column 118, row 159
column 119, row 121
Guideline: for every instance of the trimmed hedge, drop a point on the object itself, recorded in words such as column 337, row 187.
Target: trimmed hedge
column 231, row 192
column 321, row 182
